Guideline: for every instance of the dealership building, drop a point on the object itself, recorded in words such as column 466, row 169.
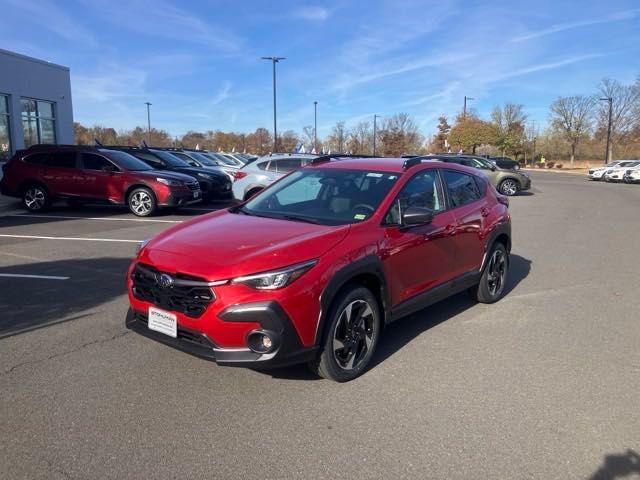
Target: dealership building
column 35, row 103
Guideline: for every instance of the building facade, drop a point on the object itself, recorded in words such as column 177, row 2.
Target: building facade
column 35, row 103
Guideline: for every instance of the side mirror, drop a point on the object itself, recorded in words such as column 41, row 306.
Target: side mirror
column 416, row 216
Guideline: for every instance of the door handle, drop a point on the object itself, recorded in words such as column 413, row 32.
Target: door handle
column 484, row 211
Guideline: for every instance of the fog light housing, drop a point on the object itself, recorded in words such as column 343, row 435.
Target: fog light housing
column 262, row 341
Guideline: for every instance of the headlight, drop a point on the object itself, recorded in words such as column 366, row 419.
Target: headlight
column 517, row 166
column 171, row 183
column 276, row 278
column 141, row 245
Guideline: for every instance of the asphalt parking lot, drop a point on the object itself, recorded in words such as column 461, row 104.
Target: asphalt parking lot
column 544, row 384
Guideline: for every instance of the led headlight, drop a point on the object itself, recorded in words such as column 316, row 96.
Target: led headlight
column 171, row 183
column 276, row 278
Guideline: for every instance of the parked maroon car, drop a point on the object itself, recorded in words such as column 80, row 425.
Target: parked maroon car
column 79, row 174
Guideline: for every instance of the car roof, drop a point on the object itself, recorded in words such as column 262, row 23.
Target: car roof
column 387, row 164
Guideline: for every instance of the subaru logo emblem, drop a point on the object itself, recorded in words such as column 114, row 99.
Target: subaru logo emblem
column 165, row 281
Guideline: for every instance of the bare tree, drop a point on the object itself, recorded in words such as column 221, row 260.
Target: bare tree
column 337, row 140
column 400, row 135
column 361, row 138
column 572, row 117
column 625, row 109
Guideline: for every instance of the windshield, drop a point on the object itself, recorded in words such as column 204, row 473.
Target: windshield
column 203, row 159
column 223, row 159
column 171, row 158
column 126, row 161
column 323, row 196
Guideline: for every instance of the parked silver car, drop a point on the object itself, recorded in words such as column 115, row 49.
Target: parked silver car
column 261, row 173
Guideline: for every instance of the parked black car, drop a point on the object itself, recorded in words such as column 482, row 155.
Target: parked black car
column 504, row 162
column 214, row 184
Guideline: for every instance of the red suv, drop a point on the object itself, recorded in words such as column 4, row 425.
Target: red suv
column 312, row 268
column 44, row 173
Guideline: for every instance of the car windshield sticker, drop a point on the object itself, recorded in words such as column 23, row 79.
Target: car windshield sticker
column 359, row 216
column 374, row 175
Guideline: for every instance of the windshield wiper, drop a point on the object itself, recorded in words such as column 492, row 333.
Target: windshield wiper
column 301, row 219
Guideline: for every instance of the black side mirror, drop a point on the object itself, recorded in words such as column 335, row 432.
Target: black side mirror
column 416, row 216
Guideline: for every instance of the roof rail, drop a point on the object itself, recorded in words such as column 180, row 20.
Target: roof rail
column 335, row 156
column 49, row 145
column 411, row 162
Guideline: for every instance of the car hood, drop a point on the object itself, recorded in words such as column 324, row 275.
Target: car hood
column 194, row 171
column 153, row 174
column 224, row 245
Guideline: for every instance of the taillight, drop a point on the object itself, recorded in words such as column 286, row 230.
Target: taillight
column 239, row 174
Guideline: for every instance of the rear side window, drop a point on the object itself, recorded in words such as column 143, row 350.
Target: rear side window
column 286, row 165
column 37, row 158
column 62, row 160
column 91, row 161
column 462, row 188
column 263, row 166
column 482, row 185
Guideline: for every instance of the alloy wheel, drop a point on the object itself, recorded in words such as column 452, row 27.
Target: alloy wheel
column 509, row 187
column 35, row 198
column 353, row 335
column 141, row 203
column 497, row 272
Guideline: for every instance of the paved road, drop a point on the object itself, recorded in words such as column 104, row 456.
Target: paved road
column 545, row 384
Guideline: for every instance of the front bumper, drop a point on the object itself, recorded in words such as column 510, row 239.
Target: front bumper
column 179, row 199
column 272, row 318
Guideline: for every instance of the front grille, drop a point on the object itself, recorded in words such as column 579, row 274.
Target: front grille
column 193, row 186
column 189, row 300
column 591, row 172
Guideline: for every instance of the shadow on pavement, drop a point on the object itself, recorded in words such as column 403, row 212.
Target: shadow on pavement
column 618, row 466
column 31, row 303
column 400, row 333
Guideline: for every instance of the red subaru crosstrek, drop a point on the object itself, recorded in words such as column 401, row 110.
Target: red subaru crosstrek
column 83, row 174
column 312, row 268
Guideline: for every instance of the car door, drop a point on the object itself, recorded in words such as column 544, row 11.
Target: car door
column 101, row 177
column 62, row 174
column 470, row 207
column 419, row 258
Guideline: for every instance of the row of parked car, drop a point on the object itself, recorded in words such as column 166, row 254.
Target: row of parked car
column 147, row 179
column 627, row 171
column 143, row 178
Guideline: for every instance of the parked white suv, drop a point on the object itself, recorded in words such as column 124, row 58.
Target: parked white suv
column 261, row 173
column 632, row 175
column 616, row 173
column 598, row 172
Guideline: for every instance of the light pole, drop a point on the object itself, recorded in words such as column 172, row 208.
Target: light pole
column 148, row 104
column 375, row 116
column 315, row 126
column 274, row 60
column 607, row 155
column 464, row 110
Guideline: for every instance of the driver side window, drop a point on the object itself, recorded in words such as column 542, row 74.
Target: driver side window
column 423, row 190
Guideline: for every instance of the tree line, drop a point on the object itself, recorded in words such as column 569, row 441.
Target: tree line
column 578, row 126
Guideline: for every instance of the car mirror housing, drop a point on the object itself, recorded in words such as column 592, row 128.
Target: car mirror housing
column 413, row 216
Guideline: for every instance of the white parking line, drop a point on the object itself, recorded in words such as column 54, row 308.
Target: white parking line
column 44, row 277
column 65, row 217
column 37, row 237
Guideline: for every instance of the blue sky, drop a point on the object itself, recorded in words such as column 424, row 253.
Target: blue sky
column 198, row 61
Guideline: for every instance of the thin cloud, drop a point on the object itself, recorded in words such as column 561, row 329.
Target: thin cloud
column 562, row 27
column 222, row 94
column 547, row 66
column 314, row 14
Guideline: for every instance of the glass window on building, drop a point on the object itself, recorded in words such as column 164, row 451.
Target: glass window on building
column 5, row 133
column 38, row 122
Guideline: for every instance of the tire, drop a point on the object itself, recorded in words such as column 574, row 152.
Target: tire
column 35, row 197
column 345, row 356
column 493, row 280
column 142, row 202
column 509, row 187
column 252, row 193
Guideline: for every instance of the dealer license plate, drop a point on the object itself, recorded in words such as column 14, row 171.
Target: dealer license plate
column 163, row 322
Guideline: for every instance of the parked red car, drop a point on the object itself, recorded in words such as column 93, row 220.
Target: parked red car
column 312, row 268
column 44, row 173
